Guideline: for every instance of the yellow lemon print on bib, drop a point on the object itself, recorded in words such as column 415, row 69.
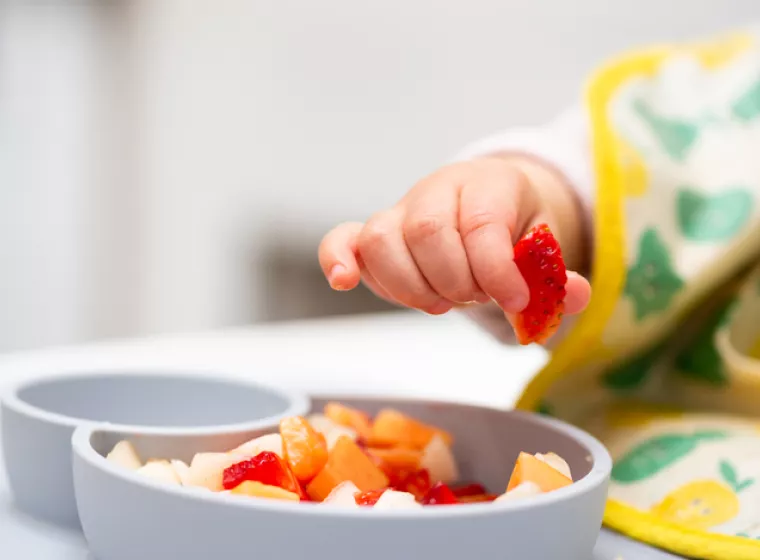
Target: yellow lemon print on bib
column 702, row 504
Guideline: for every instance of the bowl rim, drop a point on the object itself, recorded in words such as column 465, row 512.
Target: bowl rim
column 597, row 476
column 297, row 403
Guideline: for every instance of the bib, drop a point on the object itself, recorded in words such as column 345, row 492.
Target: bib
column 664, row 366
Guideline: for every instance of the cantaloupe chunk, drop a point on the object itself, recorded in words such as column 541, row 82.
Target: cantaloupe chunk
column 393, row 428
column 401, row 458
column 530, row 469
column 349, row 417
column 259, row 490
column 346, row 461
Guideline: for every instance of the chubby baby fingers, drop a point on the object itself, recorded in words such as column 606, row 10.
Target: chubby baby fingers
column 388, row 260
column 432, row 235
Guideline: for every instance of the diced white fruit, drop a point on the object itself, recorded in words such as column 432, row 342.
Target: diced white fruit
column 523, row 490
column 269, row 442
column 321, row 423
column 182, row 471
column 159, row 470
column 124, row 455
column 556, row 462
column 331, row 430
column 392, row 499
column 206, row 469
column 343, row 495
column 438, row 459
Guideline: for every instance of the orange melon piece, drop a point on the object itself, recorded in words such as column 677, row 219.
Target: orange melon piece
column 531, row 469
column 398, row 458
column 346, row 462
column 349, row 417
column 394, row 429
column 259, row 490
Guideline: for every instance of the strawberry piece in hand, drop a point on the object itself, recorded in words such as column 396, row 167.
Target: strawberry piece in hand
column 439, row 495
column 539, row 259
column 267, row 468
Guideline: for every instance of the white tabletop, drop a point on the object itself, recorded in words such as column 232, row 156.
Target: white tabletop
column 389, row 354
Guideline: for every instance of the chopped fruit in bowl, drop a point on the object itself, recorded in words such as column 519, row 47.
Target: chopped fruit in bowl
column 344, row 458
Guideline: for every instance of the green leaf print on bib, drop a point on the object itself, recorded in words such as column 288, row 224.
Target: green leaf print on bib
column 728, row 473
column 703, row 217
column 700, row 360
column 651, row 282
column 632, row 373
column 652, row 456
column 676, row 137
column 747, row 106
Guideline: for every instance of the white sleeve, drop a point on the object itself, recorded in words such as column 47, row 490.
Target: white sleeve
column 563, row 143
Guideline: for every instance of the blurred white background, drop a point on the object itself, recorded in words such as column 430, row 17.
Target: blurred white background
column 171, row 164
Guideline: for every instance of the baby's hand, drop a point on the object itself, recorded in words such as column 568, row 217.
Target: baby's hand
column 450, row 239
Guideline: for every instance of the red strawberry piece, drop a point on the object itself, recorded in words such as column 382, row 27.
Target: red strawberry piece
column 439, row 495
column 368, row 498
column 414, row 482
column 476, row 498
column 539, row 259
column 471, row 489
column 267, row 468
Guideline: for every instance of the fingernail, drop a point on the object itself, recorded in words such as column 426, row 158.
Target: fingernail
column 335, row 271
column 515, row 304
column 442, row 306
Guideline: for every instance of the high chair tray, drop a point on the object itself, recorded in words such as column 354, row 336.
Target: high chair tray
column 23, row 537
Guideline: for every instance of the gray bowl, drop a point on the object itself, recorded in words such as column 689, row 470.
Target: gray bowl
column 40, row 416
column 125, row 516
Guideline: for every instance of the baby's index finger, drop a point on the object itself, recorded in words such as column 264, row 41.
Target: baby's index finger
column 337, row 256
column 487, row 216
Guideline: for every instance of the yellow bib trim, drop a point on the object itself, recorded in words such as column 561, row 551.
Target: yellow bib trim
column 609, row 257
column 646, row 528
column 583, row 345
